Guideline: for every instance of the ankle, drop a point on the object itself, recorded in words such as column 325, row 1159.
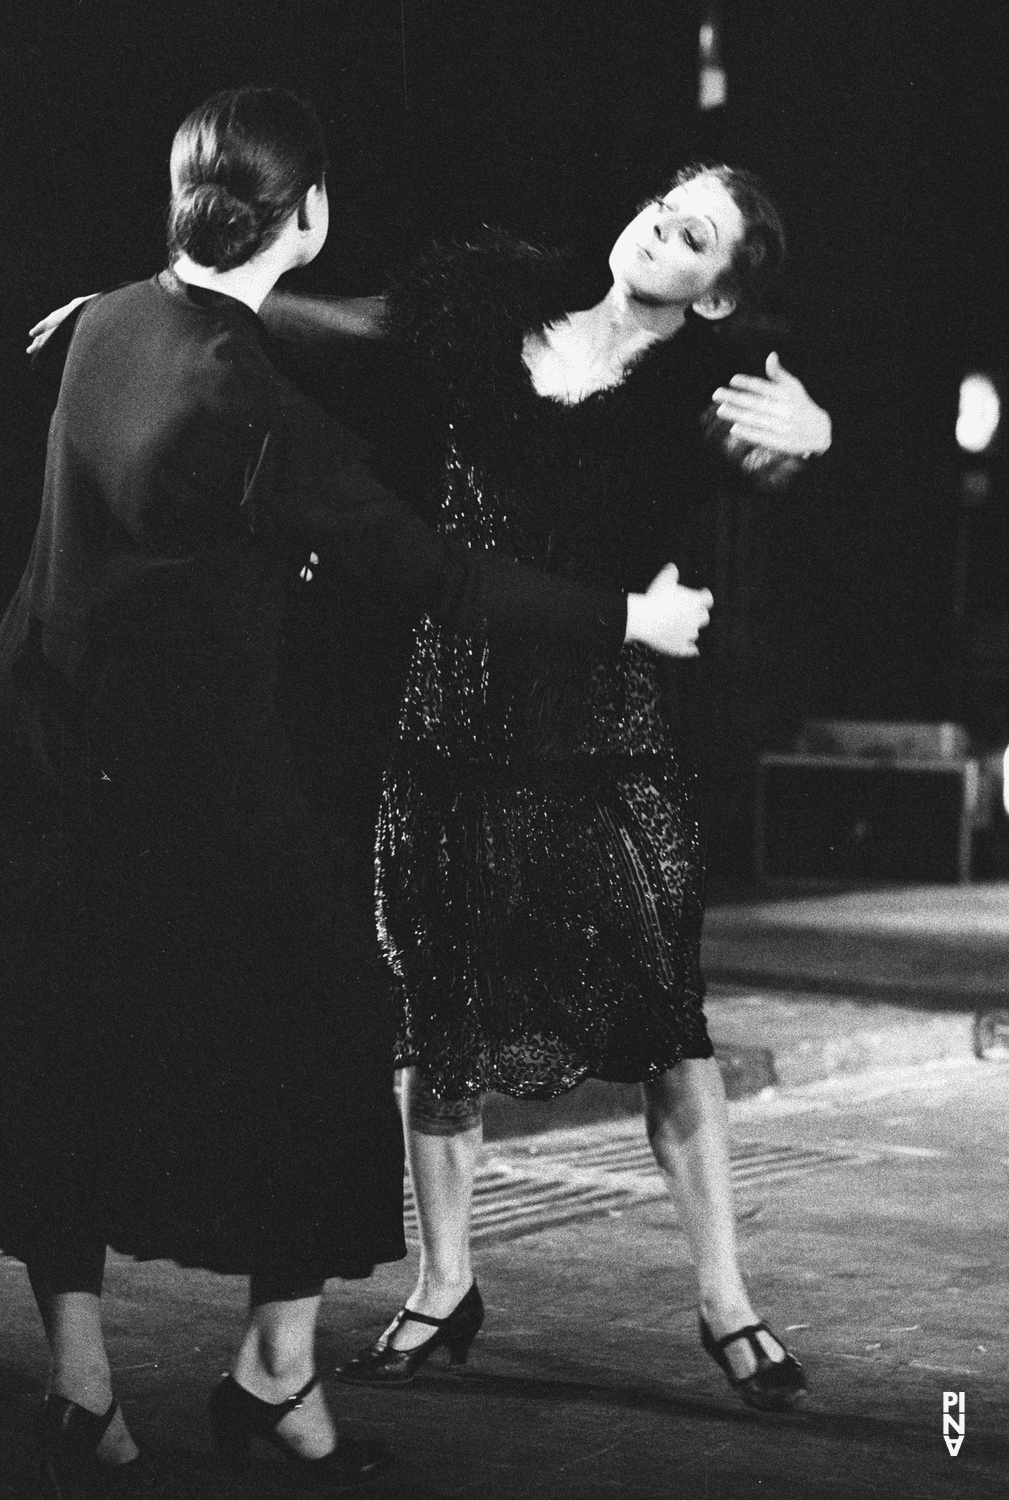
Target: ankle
column 89, row 1386
column 725, row 1311
column 441, row 1281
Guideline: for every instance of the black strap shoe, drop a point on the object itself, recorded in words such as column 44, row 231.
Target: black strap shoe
column 69, row 1439
column 775, row 1384
column 237, row 1416
column 381, row 1364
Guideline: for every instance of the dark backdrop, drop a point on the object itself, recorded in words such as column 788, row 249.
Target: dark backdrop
column 881, row 133
column 883, row 128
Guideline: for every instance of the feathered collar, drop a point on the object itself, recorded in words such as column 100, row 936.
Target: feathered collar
column 467, row 308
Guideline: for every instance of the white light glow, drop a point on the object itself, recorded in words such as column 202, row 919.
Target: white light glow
column 1005, row 781
column 712, row 87
column 980, row 410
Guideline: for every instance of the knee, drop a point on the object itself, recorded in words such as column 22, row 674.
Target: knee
column 275, row 1352
column 689, row 1097
column 427, row 1114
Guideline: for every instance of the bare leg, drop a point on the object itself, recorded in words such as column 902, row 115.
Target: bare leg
column 442, row 1168
column 276, row 1358
column 80, row 1365
column 687, row 1126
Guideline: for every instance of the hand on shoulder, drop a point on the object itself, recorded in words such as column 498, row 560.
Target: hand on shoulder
column 44, row 329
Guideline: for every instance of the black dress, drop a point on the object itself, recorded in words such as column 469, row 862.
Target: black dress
column 197, row 1042
column 539, row 862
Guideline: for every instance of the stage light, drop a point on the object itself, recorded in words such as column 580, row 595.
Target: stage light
column 980, row 411
column 712, row 87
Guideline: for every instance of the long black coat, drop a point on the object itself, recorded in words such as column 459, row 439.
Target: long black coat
column 196, row 1059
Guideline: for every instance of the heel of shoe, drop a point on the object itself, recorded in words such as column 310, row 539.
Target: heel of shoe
column 233, row 1450
column 229, row 1429
column 68, row 1440
column 458, row 1350
column 463, row 1326
column 459, row 1342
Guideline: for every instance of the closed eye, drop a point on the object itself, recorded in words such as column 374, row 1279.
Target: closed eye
column 687, row 235
column 697, row 243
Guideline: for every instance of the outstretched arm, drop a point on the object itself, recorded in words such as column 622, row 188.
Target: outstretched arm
column 296, row 318
column 290, row 316
column 310, row 481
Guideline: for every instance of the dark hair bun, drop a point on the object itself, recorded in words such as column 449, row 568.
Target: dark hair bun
column 215, row 228
column 241, row 164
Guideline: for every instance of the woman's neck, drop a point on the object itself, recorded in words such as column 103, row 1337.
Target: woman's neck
column 623, row 327
column 593, row 349
column 250, row 283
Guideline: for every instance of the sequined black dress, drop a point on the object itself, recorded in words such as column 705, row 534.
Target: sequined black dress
column 539, row 861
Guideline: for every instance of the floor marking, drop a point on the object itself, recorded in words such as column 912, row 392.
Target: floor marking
column 919, row 1364
column 531, row 1185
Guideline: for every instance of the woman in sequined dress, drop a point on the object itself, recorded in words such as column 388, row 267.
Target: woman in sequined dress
column 539, row 861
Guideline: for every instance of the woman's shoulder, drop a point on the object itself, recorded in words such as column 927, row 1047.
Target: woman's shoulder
column 200, row 354
column 668, row 393
column 170, row 309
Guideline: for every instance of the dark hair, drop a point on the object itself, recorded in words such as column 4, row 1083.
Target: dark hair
column 757, row 257
column 241, row 163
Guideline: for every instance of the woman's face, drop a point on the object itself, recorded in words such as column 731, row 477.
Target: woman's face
column 676, row 248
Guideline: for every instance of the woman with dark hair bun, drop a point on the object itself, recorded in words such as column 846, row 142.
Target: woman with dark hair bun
column 540, row 873
column 197, row 1051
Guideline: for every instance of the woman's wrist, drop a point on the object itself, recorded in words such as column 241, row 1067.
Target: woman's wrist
column 637, row 618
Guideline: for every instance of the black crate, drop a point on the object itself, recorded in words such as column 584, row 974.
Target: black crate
column 826, row 819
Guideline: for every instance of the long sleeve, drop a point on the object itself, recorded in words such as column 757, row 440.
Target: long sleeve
column 312, row 480
column 197, row 417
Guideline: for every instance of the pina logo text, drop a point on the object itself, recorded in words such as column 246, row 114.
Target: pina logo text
column 953, row 1420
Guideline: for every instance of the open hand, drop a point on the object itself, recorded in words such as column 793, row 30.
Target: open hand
column 669, row 617
column 776, row 413
column 47, row 326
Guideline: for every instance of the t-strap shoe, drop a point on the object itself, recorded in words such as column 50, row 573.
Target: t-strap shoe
column 775, row 1383
column 69, row 1439
column 381, row 1364
column 237, row 1416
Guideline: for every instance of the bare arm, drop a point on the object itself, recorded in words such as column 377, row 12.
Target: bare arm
column 44, row 329
column 297, row 318
column 290, row 316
